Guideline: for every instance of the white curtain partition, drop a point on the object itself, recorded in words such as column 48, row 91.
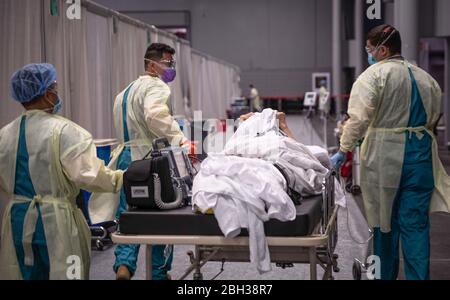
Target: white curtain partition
column 96, row 57
column 214, row 87
column 185, row 69
column 20, row 44
column 129, row 44
column 98, row 101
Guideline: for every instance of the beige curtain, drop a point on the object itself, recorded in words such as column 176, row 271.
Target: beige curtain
column 185, row 74
column 214, row 85
column 128, row 44
column 96, row 57
column 20, row 44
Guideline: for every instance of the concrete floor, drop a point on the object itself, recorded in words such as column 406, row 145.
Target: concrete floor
column 309, row 132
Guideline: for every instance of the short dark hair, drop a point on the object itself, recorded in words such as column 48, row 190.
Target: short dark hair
column 379, row 35
column 251, row 85
column 156, row 50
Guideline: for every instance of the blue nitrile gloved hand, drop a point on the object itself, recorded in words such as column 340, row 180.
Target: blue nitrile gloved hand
column 338, row 159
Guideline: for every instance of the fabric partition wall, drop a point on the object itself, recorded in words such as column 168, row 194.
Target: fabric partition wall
column 98, row 109
column 128, row 44
column 208, row 107
column 196, row 71
column 82, row 60
column 20, row 44
column 20, row 40
column 77, row 106
column 186, row 73
column 57, row 51
column 97, row 56
column 214, row 89
column 214, row 85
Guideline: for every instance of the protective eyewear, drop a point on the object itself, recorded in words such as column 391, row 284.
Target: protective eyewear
column 168, row 63
column 382, row 42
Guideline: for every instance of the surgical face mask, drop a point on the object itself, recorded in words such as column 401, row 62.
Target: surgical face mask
column 169, row 75
column 371, row 59
column 57, row 106
column 169, row 72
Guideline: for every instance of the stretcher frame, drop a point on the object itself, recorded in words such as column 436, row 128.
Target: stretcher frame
column 316, row 249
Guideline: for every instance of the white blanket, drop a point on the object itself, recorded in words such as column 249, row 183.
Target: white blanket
column 244, row 188
column 244, row 193
column 259, row 137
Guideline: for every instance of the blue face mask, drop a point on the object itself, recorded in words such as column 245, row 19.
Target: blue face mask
column 371, row 59
column 57, row 106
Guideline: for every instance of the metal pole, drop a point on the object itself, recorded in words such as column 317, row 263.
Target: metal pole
column 447, row 93
column 359, row 36
column 407, row 22
column 148, row 262
column 337, row 54
column 313, row 263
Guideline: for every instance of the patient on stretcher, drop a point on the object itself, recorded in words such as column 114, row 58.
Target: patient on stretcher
column 253, row 179
column 282, row 123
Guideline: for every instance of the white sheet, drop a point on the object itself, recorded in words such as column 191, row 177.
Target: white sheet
column 244, row 188
column 259, row 137
column 244, row 193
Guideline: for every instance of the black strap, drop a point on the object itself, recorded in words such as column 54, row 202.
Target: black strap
column 294, row 195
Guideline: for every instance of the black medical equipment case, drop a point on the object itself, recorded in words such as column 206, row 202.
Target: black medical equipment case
column 156, row 183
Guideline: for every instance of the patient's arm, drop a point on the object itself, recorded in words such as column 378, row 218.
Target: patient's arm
column 246, row 117
column 281, row 116
column 283, row 125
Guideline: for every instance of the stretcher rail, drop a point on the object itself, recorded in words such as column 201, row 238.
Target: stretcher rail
column 315, row 249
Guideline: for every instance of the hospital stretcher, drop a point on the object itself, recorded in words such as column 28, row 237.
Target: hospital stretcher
column 310, row 239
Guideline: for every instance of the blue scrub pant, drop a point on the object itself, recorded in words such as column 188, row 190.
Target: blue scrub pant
column 127, row 255
column 410, row 224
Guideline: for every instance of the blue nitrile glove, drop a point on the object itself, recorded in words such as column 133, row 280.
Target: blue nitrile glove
column 338, row 159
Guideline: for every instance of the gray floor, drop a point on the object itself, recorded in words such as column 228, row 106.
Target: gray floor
column 308, row 132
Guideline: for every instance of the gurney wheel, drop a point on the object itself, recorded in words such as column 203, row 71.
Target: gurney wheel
column 357, row 271
column 355, row 190
column 335, row 263
column 198, row 276
column 348, row 188
column 99, row 245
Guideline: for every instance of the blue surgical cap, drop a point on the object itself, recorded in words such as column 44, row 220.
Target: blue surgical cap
column 32, row 81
